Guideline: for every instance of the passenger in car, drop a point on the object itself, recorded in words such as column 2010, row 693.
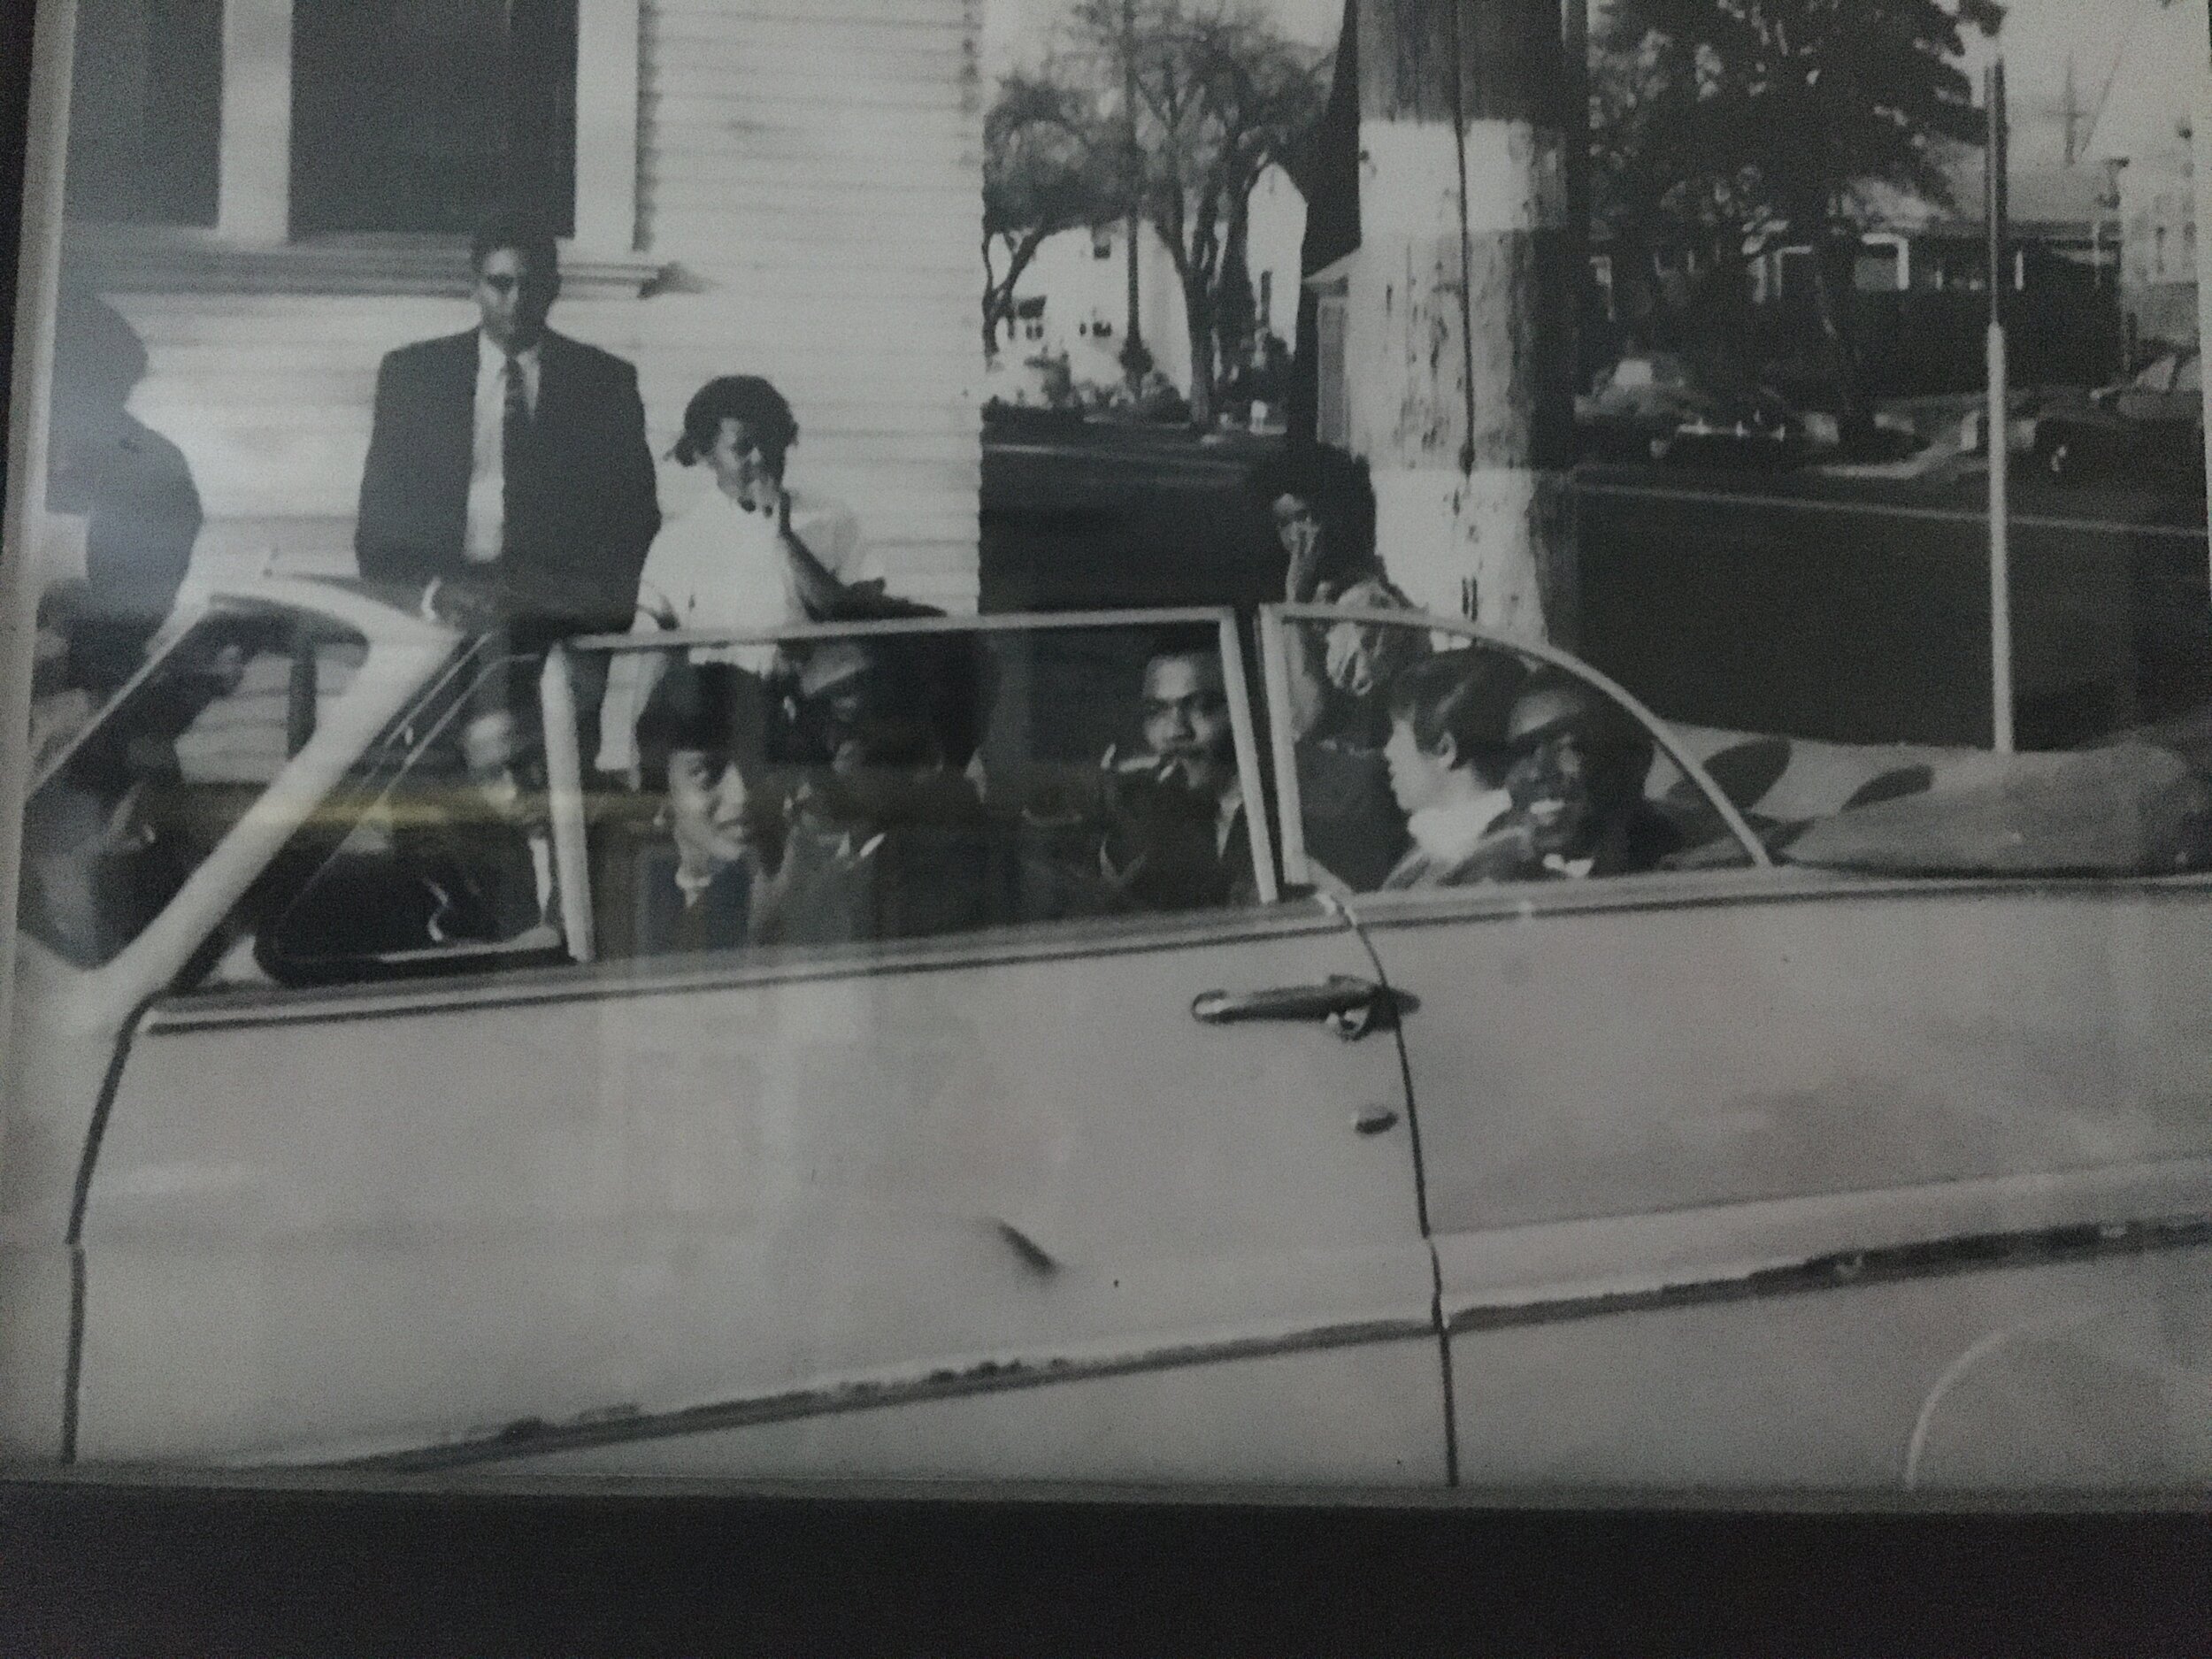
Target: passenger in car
column 1576, row 784
column 885, row 837
column 1175, row 832
column 702, row 745
column 1447, row 755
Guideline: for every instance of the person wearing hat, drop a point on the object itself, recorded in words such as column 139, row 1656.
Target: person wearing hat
column 1577, row 785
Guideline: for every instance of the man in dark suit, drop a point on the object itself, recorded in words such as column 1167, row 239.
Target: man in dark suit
column 508, row 478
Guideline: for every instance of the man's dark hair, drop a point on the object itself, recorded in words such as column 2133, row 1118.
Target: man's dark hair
column 1465, row 697
column 525, row 233
column 746, row 397
column 714, row 709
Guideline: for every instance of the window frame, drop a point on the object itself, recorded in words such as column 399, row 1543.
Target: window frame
column 251, row 246
column 1275, row 664
column 564, row 759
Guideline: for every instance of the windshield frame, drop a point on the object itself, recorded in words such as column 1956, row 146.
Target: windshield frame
column 1275, row 660
column 565, row 761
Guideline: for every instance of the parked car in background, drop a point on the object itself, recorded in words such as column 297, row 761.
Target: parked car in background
column 1651, row 406
column 2149, row 427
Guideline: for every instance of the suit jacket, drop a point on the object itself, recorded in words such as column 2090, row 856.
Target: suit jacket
column 584, row 507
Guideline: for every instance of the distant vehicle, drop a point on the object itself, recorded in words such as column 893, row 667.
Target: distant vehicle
column 1650, row 406
column 2151, row 427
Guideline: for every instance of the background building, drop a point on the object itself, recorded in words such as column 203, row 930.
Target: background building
column 2144, row 132
column 276, row 192
column 1073, row 299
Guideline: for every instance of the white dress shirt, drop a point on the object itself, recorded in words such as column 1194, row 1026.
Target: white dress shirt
column 488, row 468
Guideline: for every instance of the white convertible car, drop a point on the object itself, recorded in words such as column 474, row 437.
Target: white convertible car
column 1862, row 1141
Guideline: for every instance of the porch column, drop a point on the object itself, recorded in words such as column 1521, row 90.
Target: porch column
column 253, row 201
column 606, row 125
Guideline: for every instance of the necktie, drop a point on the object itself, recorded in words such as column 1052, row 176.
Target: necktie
column 513, row 447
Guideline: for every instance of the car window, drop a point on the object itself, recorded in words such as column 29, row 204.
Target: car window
column 1422, row 759
column 151, row 788
column 1631, row 375
column 852, row 787
column 434, row 856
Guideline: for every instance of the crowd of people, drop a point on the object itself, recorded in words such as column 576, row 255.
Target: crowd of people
column 751, row 791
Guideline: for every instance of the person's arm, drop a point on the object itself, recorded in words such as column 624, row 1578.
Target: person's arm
column 820, row 590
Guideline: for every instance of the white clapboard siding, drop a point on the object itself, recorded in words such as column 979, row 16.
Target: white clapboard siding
column 814, row 166
column 810, row 179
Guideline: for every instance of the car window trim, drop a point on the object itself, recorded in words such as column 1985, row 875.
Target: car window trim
column 565, row 762
column 1273, row 618
column 740, row 967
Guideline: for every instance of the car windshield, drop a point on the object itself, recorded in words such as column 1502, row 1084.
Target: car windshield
column 1422, row 759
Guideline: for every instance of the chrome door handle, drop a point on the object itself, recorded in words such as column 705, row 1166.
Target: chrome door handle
column 1353, row 1007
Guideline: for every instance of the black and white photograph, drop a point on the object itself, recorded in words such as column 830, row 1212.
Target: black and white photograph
column 1449, row 748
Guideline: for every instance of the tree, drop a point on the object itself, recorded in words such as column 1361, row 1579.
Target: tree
column 1220, row 96
column 1756, row 115
column 1047, row 166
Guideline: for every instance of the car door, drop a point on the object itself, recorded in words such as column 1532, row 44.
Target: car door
column 989, row 1201
column 146, row 829
column 1748, row 1177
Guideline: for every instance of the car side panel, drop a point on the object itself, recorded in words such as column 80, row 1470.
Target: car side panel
column 1663, row 1137
column 349, row 1224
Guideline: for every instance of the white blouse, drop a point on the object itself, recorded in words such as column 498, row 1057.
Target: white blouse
column 720, row 568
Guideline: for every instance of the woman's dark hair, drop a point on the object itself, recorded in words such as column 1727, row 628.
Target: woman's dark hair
column 1463, row 697
column 746, row 397
column 1337, row 487
column 714, row 709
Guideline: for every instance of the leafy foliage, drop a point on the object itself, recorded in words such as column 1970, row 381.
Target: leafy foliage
column 1047, row 166
column 1723, row 120
column 1219, row 96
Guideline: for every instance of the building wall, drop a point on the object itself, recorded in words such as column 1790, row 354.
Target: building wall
column 2145, row 126
column 809, row 182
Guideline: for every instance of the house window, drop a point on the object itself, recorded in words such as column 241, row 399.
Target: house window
column 1878, row 268
column 1266, row 316
column 1102, row 243
column 426, row 115
column 1102, row 329
column 145, row 111
column 2158, row 253
column 314, row 121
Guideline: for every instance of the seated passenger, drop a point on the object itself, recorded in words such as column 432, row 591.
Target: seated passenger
column 701, row 743
column 885, row 839
column 1175, row 835
column 1448, row 757
column 1577, row 788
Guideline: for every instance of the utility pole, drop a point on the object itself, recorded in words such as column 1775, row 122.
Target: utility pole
column 2071, row 111
column 1461, row 304
column 1998, row 421
column 1133, row 159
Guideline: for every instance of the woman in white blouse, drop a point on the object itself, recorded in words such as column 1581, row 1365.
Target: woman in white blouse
column 750, row 554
